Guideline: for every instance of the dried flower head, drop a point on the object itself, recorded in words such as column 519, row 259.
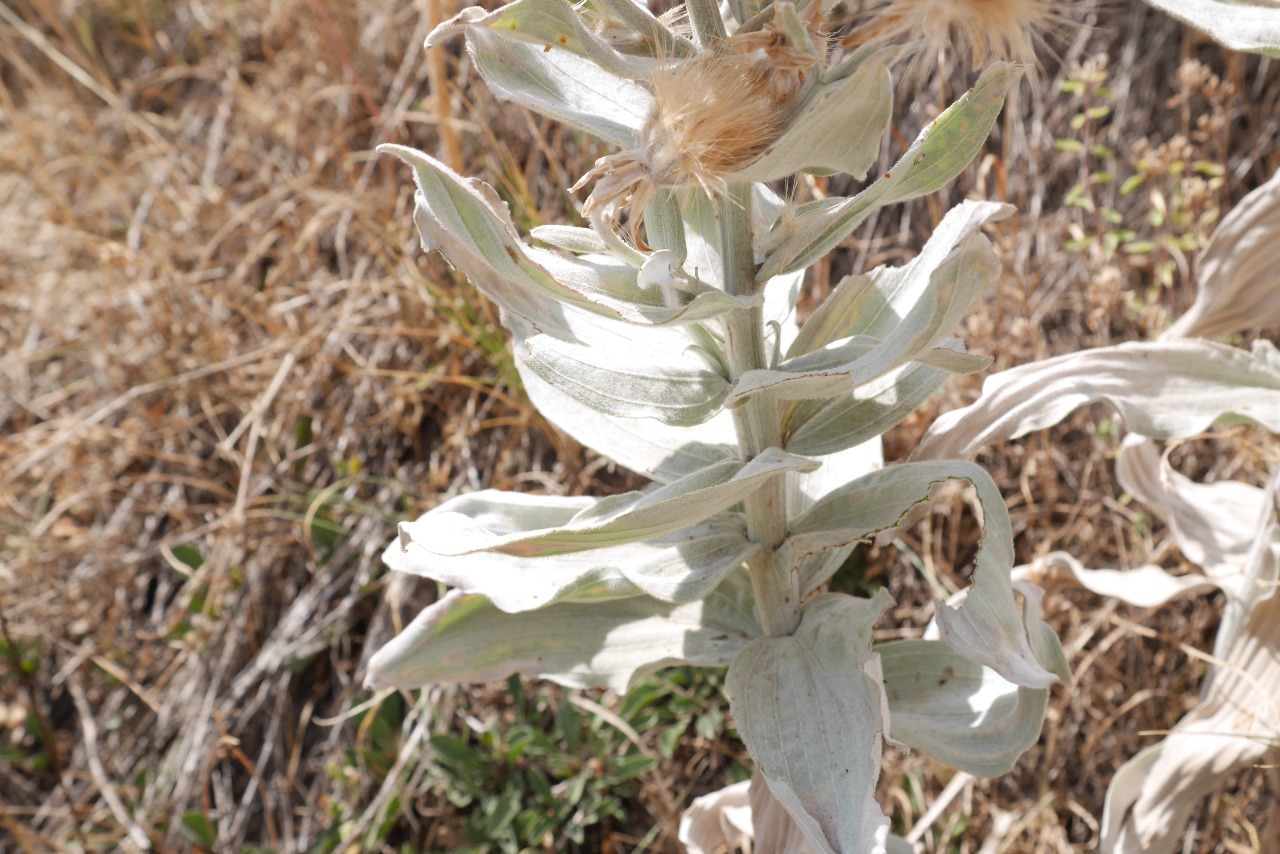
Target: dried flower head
column 712, row 116
column 982, row 29
column 781, row 55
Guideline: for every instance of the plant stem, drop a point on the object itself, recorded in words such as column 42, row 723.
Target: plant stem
column 776, row 589
column 708, row 27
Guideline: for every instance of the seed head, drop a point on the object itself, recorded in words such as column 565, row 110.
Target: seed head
column 982, row 29
column 712, row 115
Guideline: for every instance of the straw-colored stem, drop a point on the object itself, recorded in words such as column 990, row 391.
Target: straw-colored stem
column 438, row 77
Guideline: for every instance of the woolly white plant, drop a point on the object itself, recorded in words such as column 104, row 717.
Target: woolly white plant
column 1175, row 388
column 665, row 337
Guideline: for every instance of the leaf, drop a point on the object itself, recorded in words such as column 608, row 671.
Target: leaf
column 874, row 303
column 1144, row 586
column 617, row 520
column 815, row 427
column 953, row 286
column 197, row 827
column 745, row 815
column 1236, row 273
column 720, row 821
column 620, row 381
column 614, row 290
column 806, row 489
column 1213, row 524
column 545, row 23
column 658, row 451
column 1249, row 26
column 1163, row 389
column 987, row 627
column 808, row 708
column 471, row 226
column 579, row 241
column 961, row 713
column 676, row 568
column 834, row 471
column 563, row 85
column 940, row 153
column 837, row 130
column 464, row 638
column 1152, row 796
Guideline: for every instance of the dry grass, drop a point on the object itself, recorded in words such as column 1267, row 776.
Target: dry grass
column 226, row 370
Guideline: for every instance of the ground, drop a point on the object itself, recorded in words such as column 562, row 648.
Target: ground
column 227, row 370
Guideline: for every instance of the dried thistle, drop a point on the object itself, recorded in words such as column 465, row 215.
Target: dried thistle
column 981, row 29
column 712, row 116
column 777, row 55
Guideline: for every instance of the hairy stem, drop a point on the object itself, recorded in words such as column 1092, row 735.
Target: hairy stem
column 708, row 27
column 777, row 590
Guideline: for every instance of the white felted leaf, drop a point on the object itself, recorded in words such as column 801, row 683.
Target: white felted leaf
column 1163, row 389
column 1238, row 272
column 988, row 627
column 961, row 713
column 838, row 129
column 874, row 303
column 747, row 816
column 471, row 226
column 677, row 390
column 940, row 153
column 1213, row 524
column 545, row 23
column 1249, row 26
column 953, row 286
column 563, row 85
column 806, row 489
column 677, row 568
column 572, row 238
column 815, row 427
column 658, row 451
column 718, row 822
column 1236, row 724
column 1143, row 586
column 614, row 521
column 1261, row 576
column 464, row 638
column 808, row 707
column 613, row 289
column 835, row 470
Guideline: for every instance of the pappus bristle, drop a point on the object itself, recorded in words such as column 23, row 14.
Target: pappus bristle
column 982, row 30
column 712, row 116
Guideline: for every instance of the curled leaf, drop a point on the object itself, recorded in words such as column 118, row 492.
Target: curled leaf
column 464, row 638
column 677, row 568
column 1163, row 389
column 1237, row 283
column 1249, row 26
column 988, row 627
column 614, row 521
